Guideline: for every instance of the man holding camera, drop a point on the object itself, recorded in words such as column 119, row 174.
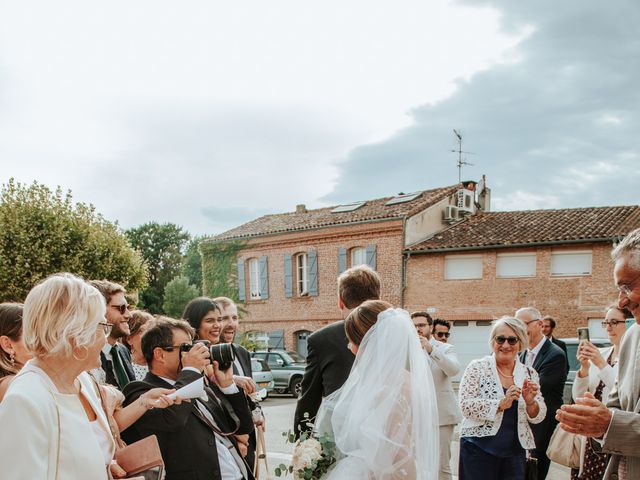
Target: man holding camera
column 198, row 439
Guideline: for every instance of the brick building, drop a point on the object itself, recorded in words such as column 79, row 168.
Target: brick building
column 439, row 249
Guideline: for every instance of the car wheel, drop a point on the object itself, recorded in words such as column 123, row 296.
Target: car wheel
column 296, row 387
column 281, row 390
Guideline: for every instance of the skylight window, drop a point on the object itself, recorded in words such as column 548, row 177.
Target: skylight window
column 404, row 198
column 349, row 207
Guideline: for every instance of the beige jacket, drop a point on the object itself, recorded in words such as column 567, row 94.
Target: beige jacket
column 445, row 365
column 46, row 435
column 623, row 437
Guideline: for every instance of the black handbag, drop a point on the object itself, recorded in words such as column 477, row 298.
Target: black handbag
column 531, row 467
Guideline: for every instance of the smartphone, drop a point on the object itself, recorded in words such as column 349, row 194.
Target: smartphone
column 583, row 334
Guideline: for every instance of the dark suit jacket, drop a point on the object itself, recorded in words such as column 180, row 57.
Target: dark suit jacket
column 563, row 346
column 551, row 365
column 187, row 443
column 107, row 365
column 244, row 357
column 329, row 362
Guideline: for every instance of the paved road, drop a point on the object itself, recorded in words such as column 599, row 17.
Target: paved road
column 279, row 410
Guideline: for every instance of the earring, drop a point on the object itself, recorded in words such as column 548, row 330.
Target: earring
column 12, row 358
column 85, row 357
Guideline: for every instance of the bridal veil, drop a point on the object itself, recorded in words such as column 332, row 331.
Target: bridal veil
column 384, row 419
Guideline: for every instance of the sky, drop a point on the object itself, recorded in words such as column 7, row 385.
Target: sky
column 209, row 114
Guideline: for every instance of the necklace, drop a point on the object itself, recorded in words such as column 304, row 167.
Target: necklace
column 500, row 372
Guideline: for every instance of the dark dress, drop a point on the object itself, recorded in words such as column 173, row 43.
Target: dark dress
column 594, row 463
column 498, row 457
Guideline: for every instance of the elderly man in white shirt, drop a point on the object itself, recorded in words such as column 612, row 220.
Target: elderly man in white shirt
column 444, row 365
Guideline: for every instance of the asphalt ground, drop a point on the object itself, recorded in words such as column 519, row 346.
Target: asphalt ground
column 279, row 410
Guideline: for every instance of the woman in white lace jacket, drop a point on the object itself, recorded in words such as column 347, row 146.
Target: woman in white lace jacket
column 499, row 397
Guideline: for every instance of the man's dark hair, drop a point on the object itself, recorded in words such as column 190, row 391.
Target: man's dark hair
column 441, row 321
column 197, row 309
column 551, row 320
column 423, row 314
column 160, row 334
column 357, row 285
column 107, row 289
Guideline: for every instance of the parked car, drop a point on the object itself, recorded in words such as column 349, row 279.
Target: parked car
column 262, row 375
column 287, row 368
column 574, row 365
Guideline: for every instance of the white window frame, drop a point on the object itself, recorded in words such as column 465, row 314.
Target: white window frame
column 254, row 279
column 449, row 275
column 302, row 274
column 357, row 251
column 555, row 256
column 504, row 256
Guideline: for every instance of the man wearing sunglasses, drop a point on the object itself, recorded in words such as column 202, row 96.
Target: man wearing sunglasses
column 550, row 362
column 444, row 365
column 441, row 330
column 115, row 358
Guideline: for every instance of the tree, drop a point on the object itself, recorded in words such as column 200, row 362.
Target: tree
column 192, row 267
column 161, row 246
column 177, row 294
column 43, row 232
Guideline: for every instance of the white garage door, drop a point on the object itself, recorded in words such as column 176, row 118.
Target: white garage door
column 471, row 339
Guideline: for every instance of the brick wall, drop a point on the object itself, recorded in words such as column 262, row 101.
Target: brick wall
column 311, row 313
column 572, row 301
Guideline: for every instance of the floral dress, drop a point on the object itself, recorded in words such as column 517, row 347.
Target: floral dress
column 594, row 463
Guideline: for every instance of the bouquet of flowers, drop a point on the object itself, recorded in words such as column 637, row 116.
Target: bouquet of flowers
column 313, row 456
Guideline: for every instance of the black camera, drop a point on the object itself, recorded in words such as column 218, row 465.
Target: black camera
column 222, row 353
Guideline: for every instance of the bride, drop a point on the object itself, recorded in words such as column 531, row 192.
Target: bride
column 384, row 419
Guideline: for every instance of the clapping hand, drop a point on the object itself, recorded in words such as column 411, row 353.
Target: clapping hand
column 529, row 391
column 512, row 394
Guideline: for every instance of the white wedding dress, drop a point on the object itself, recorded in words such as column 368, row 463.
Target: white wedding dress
column 384, row 419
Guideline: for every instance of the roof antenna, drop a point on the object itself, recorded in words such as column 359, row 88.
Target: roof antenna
column 459, row 151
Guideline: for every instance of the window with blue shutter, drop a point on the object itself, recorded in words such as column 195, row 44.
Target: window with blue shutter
column 264, row 278
column 312, row 261
column 288, row 275
column 342, row 259
column 371, row 256
column 241, row 286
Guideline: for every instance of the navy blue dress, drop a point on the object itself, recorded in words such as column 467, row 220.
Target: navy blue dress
column 498, row 457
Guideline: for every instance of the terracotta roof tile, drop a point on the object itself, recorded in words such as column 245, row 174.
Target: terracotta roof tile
column 322, row 217
column 501, row 229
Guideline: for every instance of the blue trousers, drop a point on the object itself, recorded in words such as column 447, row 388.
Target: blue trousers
column 476, row 464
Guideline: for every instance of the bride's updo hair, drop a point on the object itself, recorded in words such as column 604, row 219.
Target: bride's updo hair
column 362, row 318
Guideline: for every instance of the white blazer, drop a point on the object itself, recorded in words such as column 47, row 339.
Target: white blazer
column 590, row 383
column 444, row 365
column 481, row 392
column 46, row 434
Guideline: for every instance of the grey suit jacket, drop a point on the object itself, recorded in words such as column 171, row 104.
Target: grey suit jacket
column 445, row 365
column 623, row 437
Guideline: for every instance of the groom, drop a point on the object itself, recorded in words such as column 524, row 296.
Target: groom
column 329, row 360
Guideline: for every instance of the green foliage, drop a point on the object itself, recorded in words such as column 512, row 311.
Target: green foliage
column 161, row 246
column 44, row 232
column 192, row 267
column 219, row 269
column 177, row 294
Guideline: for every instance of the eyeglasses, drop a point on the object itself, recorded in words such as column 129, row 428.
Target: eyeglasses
column 500, row 339
column 627, row 288
column 534, row 320
column 612, row 323
column 442, row 334
column 421, row 325
column 121, row 308
column 106, row 326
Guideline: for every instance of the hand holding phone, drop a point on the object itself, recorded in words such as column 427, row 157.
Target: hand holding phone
column 583, row 334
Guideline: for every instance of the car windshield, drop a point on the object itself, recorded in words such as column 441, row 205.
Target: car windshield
column 294, row 357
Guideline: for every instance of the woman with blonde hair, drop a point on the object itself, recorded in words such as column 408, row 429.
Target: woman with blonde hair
column 53, row 423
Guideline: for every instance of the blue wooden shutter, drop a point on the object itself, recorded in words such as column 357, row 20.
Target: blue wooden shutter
column 371, row 256
column 288, row 275
column 342, row 259
column 264, row 278
column 241, row 293
column 312, row 272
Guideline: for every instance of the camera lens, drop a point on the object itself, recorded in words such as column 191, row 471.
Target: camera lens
column 223, row 354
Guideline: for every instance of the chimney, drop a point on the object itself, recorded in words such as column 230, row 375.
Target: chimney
column 484, row 197
column 302, row 208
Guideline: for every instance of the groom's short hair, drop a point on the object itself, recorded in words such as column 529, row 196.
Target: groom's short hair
column 357, row 285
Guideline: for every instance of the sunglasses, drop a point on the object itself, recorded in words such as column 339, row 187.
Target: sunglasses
column 500, row 339
column 121, row 308
column 442, row 334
